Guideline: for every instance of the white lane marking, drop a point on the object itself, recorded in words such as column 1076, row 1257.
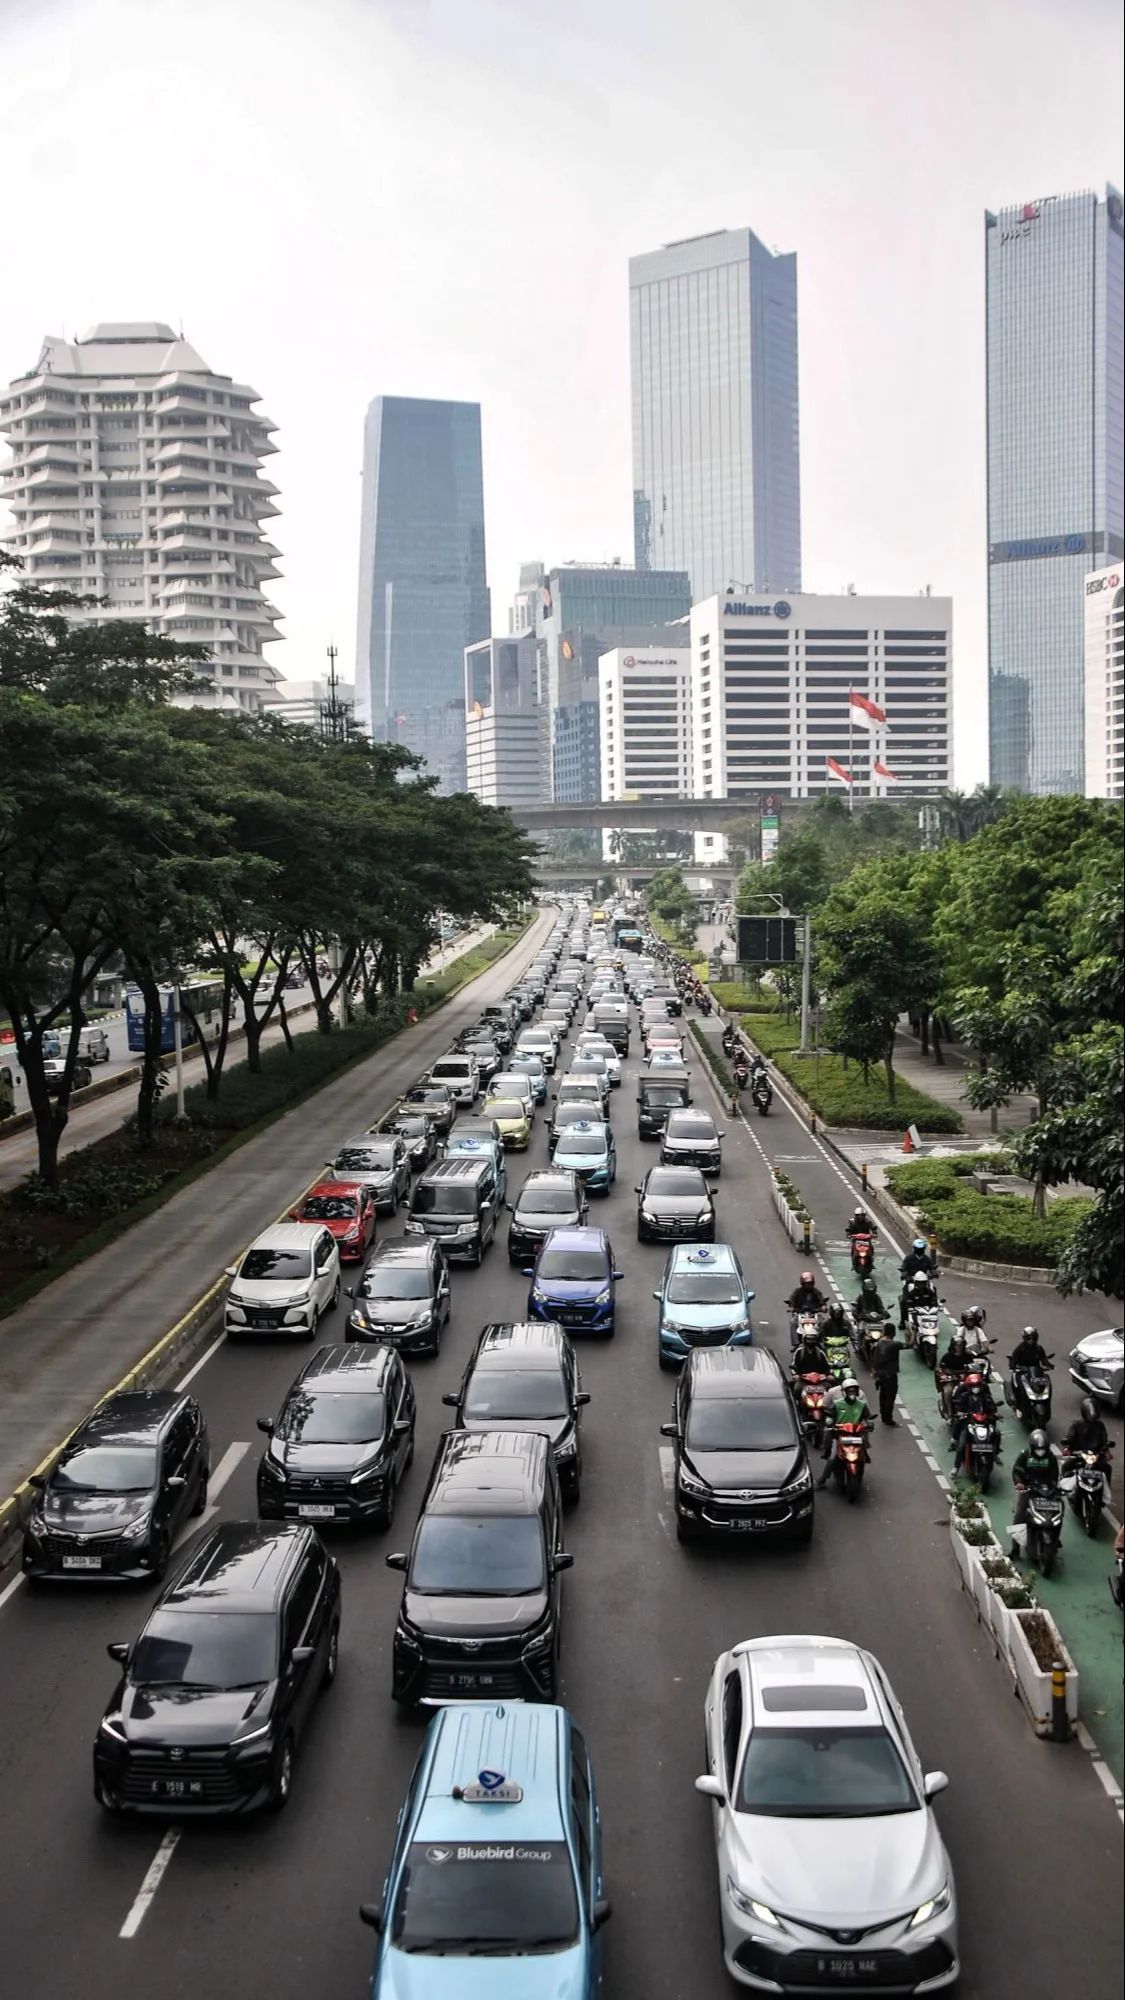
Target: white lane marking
column 667, row 1467
column 203, row 1360
column 228, row 1464
column 10, row 1589
column 151, row 1883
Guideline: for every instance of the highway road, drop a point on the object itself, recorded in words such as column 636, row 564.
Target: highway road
column 1034, row 1840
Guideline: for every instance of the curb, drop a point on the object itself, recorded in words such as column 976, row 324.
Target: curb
column 968, row 1267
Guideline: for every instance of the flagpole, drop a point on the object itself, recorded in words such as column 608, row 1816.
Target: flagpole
column 851, row 757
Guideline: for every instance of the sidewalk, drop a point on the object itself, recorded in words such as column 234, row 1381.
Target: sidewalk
column 72, row 1343
column 946, row 1083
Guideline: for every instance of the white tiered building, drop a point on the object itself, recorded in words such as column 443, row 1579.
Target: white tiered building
column 135, row 476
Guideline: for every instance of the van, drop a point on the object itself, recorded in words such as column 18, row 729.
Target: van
column 608, row 1021
column 479, row 1619
column 657, row 1094
column 458, row 1203
column 460, row 1075
column 93, row 1044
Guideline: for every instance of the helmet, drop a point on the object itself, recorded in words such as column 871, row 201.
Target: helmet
column 850, row 1386
column 919, row 1243
column 1088, row 1408
column 973, row 1316
column 1037, row 1444
column 958, row 1337
column 860, row 1215
column 1029, row 1333
column 835, row 1310
column 809, row 1335
column 807, row 1278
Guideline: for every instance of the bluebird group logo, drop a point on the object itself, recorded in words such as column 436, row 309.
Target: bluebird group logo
column 782, row 610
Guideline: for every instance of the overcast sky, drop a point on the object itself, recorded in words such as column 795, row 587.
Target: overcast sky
column 439, row 197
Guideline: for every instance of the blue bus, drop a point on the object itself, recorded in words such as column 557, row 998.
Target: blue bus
column 204, row 997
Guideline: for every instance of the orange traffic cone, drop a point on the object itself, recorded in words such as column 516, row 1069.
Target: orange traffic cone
column 907, row 1143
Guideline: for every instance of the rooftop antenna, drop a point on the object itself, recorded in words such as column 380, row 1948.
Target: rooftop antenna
column 333, row 713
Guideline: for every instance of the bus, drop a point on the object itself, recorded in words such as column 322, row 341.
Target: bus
column 204, row 997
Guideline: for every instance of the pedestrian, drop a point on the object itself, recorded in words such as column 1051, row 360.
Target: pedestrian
column 884, row 1364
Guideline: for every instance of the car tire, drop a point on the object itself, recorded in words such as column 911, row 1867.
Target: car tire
column 161, row 1557
column 664, row 1362
column 332, row 1657
column 108, row 1801
column 384, row 1519
column 200, row 1506
column 335, row 1299
column 281, row 1781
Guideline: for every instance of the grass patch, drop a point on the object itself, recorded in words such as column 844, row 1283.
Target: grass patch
column 738, row 999
column 714, row 1060
column 837, row 1091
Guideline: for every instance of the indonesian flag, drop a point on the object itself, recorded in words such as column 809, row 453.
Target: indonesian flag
column 889, row 777
column 867, row 713
column 838, row 772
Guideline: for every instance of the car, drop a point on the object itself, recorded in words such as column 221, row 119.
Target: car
column 435, row 1101
column 123, row 1485
column 515, row 1083
column 740, row 1461
column 590, row 1068
column 285, row 1282
column 668, row 996
column 522, row 1376
column 832, row 1871
column 539, row 1042
column 479, row 1138
column 587, row 1149
column 675, row 1203
column 1097, row 1364
column 550, row 1198
column 458, row 1203
column 54, row 1070
column 497, row 1854
column 572, row 1281
column 381, row 1160
column 403, row 1297
column 657, row 1095
column 218, row 1688
column 347, row 1210
column 457, row 1069
column 702, row 1301
column 484, row 1053
column 481, row 1601
column 417, row 1135
column 513, row 1116
column 591, row 1091
column 342, row 1440
column 592, row 1043
column 500, row 1020
column 691, row 1138
column 525, row 1064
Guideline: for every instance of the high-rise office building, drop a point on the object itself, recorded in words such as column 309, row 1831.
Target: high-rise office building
column 1056, row 447
column 135, row 477
column 1104, row 668
column 716, row 447
column 507, row 730
column 645, row 735
column 585, row 608
column 423, row 594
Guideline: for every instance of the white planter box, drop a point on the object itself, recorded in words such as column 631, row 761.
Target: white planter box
column 994, row 1612
column 1033, row 1685
column 979, row 1584
column 793, row 1227
column 962, row 1555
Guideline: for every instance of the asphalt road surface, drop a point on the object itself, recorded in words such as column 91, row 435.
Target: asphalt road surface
column 1034, row 1840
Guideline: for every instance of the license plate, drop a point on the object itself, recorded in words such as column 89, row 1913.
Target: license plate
column 847, row 1968
column 177, row 1788
column 318, row 1512
column 81, row 1562
column 472, row 1680
column 744, row 1526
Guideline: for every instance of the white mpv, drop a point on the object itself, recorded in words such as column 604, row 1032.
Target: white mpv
column 285, row 1281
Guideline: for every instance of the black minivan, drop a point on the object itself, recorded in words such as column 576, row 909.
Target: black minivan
column 479, row 1619
column 219, row 1686
column 458, row 1203
column 121, row 1488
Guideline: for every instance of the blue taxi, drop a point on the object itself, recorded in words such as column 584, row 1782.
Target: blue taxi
column 587, row 1149
column 494, row 1891
column 703, row 1301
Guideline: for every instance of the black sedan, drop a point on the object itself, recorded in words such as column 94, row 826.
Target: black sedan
column 485, row 1054
column 418, row 1136
column 550, row 1198
column 691, row 1139
column 342, row 1441
column 675, row 1205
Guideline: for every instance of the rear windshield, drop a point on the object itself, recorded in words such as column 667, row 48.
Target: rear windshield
column 389, row 1281
column 489, row 1555
column 740, row 1423
column 444, row 1198
column 329, row 1208
column 662, row 1093
column 281, row 1267
column 506, row 1392
column 457, row 1066
column 410, row 1128
column 206, row 1649
column 578, row 1265
column 380, row 1153
column 486, row 1896
column 325, row 1416
column 425, row 1095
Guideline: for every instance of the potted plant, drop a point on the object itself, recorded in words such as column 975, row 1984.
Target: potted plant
column 1005, row 1590
column 1034, row 1648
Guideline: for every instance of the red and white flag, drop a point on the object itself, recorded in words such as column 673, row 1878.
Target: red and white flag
column 867, row 713
column 889, row 777
column 838, row 772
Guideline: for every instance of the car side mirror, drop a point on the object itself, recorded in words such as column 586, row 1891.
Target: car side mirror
column 750, row 1297
column 617, row 1276
column 527, row 1270
column 371, row 1914
column 582, row 1397
column 266, row 1424
column 118, row 1649
column 176, row 1479
column 301, row 1655
column 656, row 1296
column 670, row 1430
column 933, row 1783
column 231, row 1271
column 39, row 1483
column 397, row 1561
column 562, row 1561
column 451, row 1400
column 603, row 1910
column 711, row 1788
column 638, row 1187
column 402, row 1427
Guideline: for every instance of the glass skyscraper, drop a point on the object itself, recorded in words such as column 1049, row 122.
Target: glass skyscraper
column 716, row 447
column 423, row 596
column 1053, row 272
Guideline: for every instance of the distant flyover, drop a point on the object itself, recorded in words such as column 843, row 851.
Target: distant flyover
column 720, row 873
column 685, row 815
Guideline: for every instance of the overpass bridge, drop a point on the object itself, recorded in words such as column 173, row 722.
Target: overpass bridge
column 683, row 815
column 550, row 873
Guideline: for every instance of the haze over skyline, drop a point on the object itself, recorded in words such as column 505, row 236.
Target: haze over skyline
column 347, row 198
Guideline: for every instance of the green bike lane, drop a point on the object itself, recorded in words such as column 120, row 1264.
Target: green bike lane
column 1077, row 1595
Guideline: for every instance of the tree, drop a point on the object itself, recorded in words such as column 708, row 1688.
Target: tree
column 1079, row 1138
column 877, row 963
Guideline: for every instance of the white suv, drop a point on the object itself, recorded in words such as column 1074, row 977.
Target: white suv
column 460, row 1076
column 287, row 1279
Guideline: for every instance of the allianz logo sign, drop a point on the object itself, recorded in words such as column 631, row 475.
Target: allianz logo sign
column 779, row 610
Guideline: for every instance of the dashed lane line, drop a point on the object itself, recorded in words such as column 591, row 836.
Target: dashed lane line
column 151, row 1883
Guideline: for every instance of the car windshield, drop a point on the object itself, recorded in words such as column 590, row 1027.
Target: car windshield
column 442, row 1198
column 547, row 1201
column 505, row 1107
column 489, row 1555
column 740, row 1423
column 677, row 1181
column 577, row 1264
column 662, row 1093
column 506, row 1392
column 691, row 1126
column 329, row 1208
column 206, row 1649
column 531, row 1065
column 380, row 1153
column 703, row 1288
column 281, row 1267
column 107, row 1468
column 324, row 1416
column 390, row 1281
column 410, row 1128
column 574, row 1143
column 515, row 1086
column 823, row 1773
column 486, row 1896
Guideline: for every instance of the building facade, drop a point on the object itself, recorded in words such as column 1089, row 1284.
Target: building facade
column 423, row 592
column 575, row 753
column 716, row 428
column 1056, row 449
column 1104, row 677
column 772, row 681
column 507, row 730
column 644, row 709
column 135, row 476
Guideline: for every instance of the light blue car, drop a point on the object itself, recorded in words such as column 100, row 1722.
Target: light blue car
column 495, row 1890
column 468, row 1145
column 703, row 1301
column 587, row 1149
column 535, row 1073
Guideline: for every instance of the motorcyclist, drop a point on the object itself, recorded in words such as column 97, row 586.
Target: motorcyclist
column 1029, row 1351
column 809, row 1357
column 1036, row 1467
column 835, row 1320
column 952, row 1365
column 919, row 1290
column 867, row 1301
column 729, row 1039
column 806, row 1296
column 845, row 1405
column 1087, row 1433
column 917, row 1258
column 860, row 1225
column 971, row 1394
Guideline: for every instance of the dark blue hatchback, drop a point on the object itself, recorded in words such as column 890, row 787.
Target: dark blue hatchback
column 572, row 1281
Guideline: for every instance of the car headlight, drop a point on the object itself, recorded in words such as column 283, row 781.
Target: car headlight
column 110, row 1725
column 373, row 1471
column 801, row 1484
column 420, row 1319
column 271, row 1466
column 689, row 1481
column 704, row 1215
column 750, row 1907
column 358, row 1317
column 603, row 1297
column 540, row 1641
column 648, row 1216
column 137, row 1531
column 412, row 1228
column 567, row 1447
column 933, row 1908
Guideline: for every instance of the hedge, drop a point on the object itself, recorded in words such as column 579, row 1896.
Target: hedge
column 286, row 1074
column 938, row 1180
column 468, row 966
column 739, row 999
column 840, row 1096
column 1001, row 1228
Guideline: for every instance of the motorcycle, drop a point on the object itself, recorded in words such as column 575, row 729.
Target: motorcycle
column 1028, row 1391
column 741, row 1075
column 811, row 1392
column 924, row 1332
column 1082, row 1482
column 947, row 1383
column 729, row 1040
column 866, row 1328
column 837, row 1346
column 762, row 1094
column 863, row 1253
column 802, row 1325
column 849, row 1457
column 705, row 1004
column 981, row 1447
column 1042, row 1530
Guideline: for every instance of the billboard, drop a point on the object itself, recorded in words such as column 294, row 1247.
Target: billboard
column 767, row 940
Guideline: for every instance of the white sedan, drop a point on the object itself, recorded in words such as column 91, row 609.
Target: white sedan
column 832, row 1871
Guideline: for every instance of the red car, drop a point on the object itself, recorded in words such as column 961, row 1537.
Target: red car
column 347, row 1210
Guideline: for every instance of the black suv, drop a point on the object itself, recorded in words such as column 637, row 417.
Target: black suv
column 221, row 1682
column 550, row 1198
column 741, row 1466
column 479, row 1618
column 524, row 1377
column 403, row 1297
column 342, row 1441
column 458, row 1203
column 692, row 1139
column 125, row 1482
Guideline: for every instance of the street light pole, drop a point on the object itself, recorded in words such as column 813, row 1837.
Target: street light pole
column 806, row 988
column 178, row 1045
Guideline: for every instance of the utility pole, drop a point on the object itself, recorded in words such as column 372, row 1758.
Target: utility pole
column 334, row 715
column 178, row 1046
column 806, row 988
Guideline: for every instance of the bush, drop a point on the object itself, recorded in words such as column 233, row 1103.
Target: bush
column 459, row 971
column 738, row 999
column 248, row 1095
column 712, row 1058
column 939, row 1180
column 793, row 1196
column 1001, row 1228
